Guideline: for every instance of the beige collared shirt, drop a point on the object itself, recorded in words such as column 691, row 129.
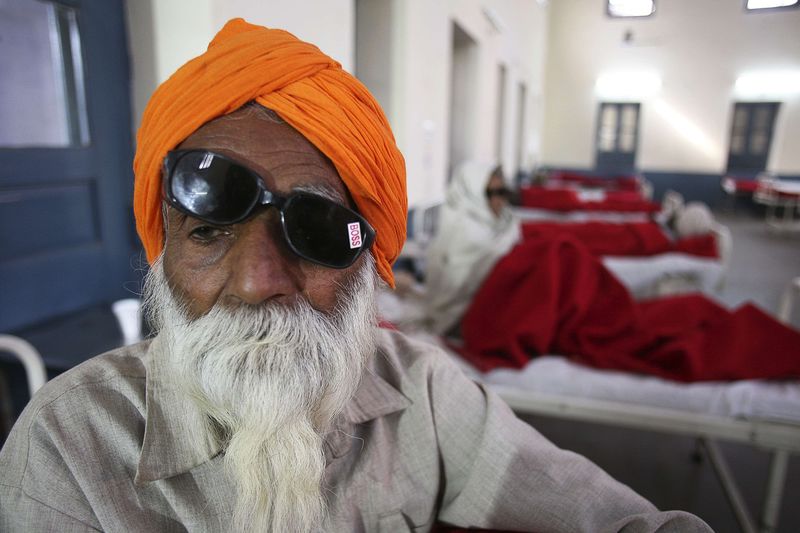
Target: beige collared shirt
column 109, row 446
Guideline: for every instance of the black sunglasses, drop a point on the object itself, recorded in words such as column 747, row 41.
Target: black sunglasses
column 217, row 190
column 499, row 191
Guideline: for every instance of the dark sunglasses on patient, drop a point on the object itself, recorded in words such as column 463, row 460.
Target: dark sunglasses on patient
column 497, row 191
column 217, row 190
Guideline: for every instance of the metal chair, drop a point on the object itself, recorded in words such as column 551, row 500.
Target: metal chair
column 30, row 359
column 34, row 371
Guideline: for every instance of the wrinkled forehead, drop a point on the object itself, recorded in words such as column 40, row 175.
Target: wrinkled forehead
column 283, row 157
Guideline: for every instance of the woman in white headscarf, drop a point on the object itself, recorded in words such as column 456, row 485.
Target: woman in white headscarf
column 476, row 229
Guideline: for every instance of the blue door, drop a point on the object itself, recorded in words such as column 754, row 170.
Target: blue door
column 751, row 136
column 66, row 230
column 617, row 138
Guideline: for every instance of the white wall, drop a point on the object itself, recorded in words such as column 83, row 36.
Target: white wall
column 421, row 96
column 164, row 34
column 698, row 48
column 329, row 24
column 373, row 59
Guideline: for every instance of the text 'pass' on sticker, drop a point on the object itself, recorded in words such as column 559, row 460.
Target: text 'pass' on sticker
column 354, row 234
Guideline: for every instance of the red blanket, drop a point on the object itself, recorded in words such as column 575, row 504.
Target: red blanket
column 568, row 200
column 630, row 239
column 620, row 183
column 553, row 296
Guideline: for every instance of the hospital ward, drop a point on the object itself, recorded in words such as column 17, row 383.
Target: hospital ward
column 400, row 265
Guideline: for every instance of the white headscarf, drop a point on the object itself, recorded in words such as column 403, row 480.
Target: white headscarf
column 470, row 240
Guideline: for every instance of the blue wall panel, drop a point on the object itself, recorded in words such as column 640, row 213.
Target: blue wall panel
column 41, row 219
column 699, row 187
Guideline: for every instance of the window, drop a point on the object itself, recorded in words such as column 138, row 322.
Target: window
column 751, row 136
column 617, row 137
column 755, row 5
column 630, row 8
column 43, row 101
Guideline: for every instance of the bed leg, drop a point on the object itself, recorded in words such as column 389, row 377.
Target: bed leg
column 729, row 486
column 774, row 493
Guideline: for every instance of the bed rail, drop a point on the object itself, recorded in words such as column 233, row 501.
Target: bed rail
column 779, row 439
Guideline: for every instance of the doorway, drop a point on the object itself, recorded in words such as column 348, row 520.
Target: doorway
column 67, row 235
column 463, row 93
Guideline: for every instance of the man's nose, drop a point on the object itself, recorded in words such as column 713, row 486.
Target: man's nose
column 263, row 267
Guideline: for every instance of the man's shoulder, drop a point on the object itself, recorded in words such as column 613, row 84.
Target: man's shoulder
column 402, row 357
column 106, row 388
column 120, row 369
column 406, row 350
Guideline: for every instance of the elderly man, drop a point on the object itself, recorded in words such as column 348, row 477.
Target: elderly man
column 270, row 198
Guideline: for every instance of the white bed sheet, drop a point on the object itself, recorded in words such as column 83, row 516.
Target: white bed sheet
column 530, row 214
column 649, row 276
column 775, row 401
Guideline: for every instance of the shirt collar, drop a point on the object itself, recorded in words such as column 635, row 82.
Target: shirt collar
column 174, row 424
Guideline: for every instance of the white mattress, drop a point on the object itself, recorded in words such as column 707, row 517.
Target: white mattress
column 667, row 273
column 648, row 276
column 749, row 399
column 529, row 214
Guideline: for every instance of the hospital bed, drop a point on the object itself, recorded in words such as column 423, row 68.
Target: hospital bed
column 594, row 197
column 779, row 196
column 763, row 415
column 674, row 272
column 571, row 200
column 630, row 182
column 531, row 214
column 645, row 277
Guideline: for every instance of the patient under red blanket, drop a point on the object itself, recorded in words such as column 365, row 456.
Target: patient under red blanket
column 631, row 239
column 554, row 296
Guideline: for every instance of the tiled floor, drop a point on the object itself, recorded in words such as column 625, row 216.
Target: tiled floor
column 763, row 264
column 661, row 466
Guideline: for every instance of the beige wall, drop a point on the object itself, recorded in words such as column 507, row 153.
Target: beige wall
column 164, row 34
column 421, row 95
column 698, row 48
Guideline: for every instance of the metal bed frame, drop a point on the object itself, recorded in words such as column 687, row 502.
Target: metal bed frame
column 779, row 439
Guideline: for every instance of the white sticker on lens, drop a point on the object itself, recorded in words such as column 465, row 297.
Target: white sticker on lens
column 354, row 234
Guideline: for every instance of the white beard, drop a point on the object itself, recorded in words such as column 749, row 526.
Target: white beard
column 270, row 379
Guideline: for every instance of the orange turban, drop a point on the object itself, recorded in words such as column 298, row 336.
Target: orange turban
column 310, row 91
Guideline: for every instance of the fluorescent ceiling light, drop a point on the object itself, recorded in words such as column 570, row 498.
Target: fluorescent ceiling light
column 768, row 84
column 631, row 8
column 766, row 4
column 627, row 85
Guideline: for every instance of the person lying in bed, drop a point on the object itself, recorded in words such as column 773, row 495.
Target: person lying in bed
column 511, row 300
column 553, row 296
column 476, row 229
